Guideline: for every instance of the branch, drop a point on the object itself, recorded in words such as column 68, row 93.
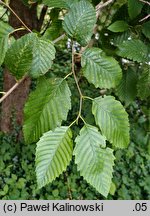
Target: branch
column 98, row 7
column 59, row 38
column 145, row 18
column 78, row 87
column 102, row 5
column 73, row 71
column 42, row 15
column 12, row 89
column 1, row 2
column 146, row 2
column 20, row 81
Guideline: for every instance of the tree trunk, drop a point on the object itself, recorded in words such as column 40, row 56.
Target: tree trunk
column 14, row 103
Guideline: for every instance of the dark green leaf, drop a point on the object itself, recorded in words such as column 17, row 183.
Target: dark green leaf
column 99, row 69
column 19, row 56
column 112, row 119
column 59, row 3
column 144, row 83
column 5, row 29
column 146, row 29
column 53, row 154
column 43, row 55
column 54, row 31
column 127, row 89
column 135, row 50
column 46, row 107
column 134, row 8
column 118, row 26
column 94, row 163
column 79, row 22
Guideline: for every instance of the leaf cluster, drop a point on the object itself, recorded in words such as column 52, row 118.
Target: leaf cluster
column 111, row 68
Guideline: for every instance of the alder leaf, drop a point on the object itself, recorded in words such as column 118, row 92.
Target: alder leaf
column 18, row 58
column 54, row 31
column 43, row 56
column 79, row 22
column 53, row 154
column 144, row 83
column 134, row 8
column 127, row 88
column 99, row 69
column 59, row 3
column 5, row 29
column 146, row 29
column 112, row 119
column 134, row 50
column 94, row 163
column 46, row 108
column 3, row 48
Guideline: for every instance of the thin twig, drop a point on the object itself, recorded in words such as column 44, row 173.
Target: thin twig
column 76, row 81
column 59, row 38
column 146, row 2
column 86, row 97
column 73, row 71
column 18, row 29
column 15, row 15
column 69, row 74
column 102, row 5
column 20, row 81
column 12, row 89
column 72, row 123
column 98, row 7
column 145, row 18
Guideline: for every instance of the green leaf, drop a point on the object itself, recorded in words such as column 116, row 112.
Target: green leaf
column 144, row 83
column 134, row 50
column 25, row 2
column 4, row 191
column 79, row 22
column 112, row 119
column 112, row 188
column 53, row 154
column 134, row 8
column 3, row 48
column 43, row 55
column 18, row 58
column 54, row 31
column 146, row 29
column 46, row 107
column 118, row 26
column 127, row 89
column 59, row 3
column 118, row 39
column 99, row 69
column 5, row 29
column 94, row 163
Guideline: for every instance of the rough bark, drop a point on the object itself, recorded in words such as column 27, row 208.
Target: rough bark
column 15, row 102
